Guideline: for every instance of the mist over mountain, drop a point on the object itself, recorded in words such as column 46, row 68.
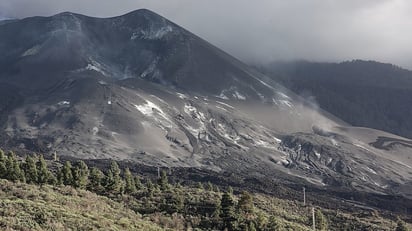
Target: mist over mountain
column 362, row 93
column 140, row 88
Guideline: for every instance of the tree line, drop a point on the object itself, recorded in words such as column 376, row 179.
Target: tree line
column 33, row 169
column 229, row 212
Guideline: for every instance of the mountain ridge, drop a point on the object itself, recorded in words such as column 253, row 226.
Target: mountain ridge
column 353, row 86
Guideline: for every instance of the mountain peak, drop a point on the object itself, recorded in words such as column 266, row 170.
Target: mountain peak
column 66, row 14
column 143, row 13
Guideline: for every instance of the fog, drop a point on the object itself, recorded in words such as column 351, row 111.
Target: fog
column 268, row 30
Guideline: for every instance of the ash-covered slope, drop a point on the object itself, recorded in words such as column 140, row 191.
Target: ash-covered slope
column 140, row 44
column 364, row 93
column 141, row 88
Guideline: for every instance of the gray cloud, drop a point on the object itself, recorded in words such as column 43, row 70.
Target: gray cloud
column 268, row 30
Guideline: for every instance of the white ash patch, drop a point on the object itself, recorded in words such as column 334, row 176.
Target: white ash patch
column 148, row 108
column 181, row 95
column 283, row 161
column 134, row 36
column 152, row 33
column 239, row 96
column 153, row 111
column 94, row 66
column 317, row 154
column 264, row 83
column 329, row 161
column 264, row 144
column 361, row 146
column 221, row 108
column 371, row 170
column 261, row 97
column 222, row 96
column 95, row 130
column 334, row 142
column 151, row 69
column 63, row 103
column 286, row 103
column 194, row 112
column 282, row 95
column 232, row 92
column 223, row 131
column 225, row 104
column 199, row 117
column 32, row 51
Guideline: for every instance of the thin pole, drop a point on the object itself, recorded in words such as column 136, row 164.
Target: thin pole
column 313, row 218
column 158, row 172
column 304, row 196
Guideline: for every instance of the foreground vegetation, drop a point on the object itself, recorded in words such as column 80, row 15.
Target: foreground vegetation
column 40, row 195
column 31, row 207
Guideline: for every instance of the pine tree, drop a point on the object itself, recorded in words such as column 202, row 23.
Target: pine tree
column 150, row 187
column 199, row 186
column 321, row 220
column 95, row 180
column 52, row 179
column 216, row 189
column 209, row 186
column 245, row 203
column 66, row 173
column 9, row 164
column 401, row 226
column 230, row 190
column 2, row 156
column 13, row 170
column 275, row 224
column 3, row 169
column 113, row 183
column 43, row 173
column 19, row 172
column 252, row 226
column 30, row 170
column 163, row 181
column 261, row 221
column 138, row 183
column 130, row 185
column 227, row 213
column 80, row 175
column 59, row 177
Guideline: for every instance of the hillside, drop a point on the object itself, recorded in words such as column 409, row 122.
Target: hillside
column 362, row 93
column 136, row 203
column 31, row 207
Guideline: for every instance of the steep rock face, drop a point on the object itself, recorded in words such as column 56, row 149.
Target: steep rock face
column 139, row 87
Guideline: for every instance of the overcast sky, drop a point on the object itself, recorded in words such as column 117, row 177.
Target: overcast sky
column 268, row 30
